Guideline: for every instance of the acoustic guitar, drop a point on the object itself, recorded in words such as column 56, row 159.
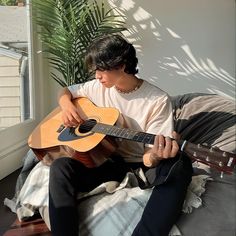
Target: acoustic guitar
column 81, row 142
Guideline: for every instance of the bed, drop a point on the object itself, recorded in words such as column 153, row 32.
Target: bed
column 114, row 209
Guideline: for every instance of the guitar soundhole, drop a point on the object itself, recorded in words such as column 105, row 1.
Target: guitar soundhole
column 87, row 126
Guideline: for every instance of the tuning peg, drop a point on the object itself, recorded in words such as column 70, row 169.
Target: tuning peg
column 231, row 159
column 224, row 154
column 211, row 149
column 221, row 174
column 221, row 164
column 207, row 158
column 205, row 144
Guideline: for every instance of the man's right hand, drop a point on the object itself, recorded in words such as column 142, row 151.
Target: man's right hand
column 70, row 114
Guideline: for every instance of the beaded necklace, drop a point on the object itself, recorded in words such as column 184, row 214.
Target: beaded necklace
column 131, row 90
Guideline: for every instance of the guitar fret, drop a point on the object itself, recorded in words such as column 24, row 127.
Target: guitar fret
column 149, row 138
column 109, row 130
column 140, row 137
column 99, row 129
column 124, row 133
column 117, row 132
column 132, row 134
column 113, row 131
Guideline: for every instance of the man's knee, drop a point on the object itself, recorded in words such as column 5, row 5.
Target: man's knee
column 59, row 162
column 59, row 167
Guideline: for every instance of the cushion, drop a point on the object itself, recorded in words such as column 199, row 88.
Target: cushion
column 206, row 118
column 210, row 119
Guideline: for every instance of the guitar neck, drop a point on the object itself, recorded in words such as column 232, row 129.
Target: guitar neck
column 124, row 133
column 221, row 160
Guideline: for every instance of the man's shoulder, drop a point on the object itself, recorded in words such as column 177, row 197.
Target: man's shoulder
column 154, row 90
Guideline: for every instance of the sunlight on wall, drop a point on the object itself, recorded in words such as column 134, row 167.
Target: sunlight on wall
column 184, row 46
column 199, row 69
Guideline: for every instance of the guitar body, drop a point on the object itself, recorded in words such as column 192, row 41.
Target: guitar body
column 45, row 135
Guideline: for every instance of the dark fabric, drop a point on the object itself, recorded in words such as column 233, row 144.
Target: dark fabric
column 165, row 171
column 211, row 119
column 166, row 201
column 68, row 176
column 217, row 215
column 206, row 118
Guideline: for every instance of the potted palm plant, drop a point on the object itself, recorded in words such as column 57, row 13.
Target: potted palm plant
column 66, row 28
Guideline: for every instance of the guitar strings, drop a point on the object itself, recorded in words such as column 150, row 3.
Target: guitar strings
column 90, row 124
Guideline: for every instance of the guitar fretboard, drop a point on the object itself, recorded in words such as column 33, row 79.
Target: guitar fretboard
column 124, row 133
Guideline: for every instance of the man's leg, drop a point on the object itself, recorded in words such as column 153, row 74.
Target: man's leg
column 67, row 178
column 166, row 201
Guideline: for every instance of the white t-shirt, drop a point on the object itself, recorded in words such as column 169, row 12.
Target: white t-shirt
column 147, row 109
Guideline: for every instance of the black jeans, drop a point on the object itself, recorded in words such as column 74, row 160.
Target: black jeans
column 68, row 177
column 171, row 179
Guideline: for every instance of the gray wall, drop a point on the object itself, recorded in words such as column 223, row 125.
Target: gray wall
column 185, row 45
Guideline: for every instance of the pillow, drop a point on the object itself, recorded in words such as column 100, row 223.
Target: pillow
column 206, row 118
column 210, row 119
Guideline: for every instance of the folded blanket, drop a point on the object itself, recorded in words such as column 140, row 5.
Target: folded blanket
column 107, row 206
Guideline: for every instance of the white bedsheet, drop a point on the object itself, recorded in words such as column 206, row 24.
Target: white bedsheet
column 113, row 209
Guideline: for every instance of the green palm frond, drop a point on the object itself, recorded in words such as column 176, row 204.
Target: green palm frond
column 66, row 28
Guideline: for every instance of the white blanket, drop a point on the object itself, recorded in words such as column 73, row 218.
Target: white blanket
column 114, row 209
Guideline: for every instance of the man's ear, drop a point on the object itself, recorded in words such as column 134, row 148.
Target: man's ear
column 123, row 67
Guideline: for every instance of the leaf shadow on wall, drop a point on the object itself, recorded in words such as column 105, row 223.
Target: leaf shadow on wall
column 168, row 60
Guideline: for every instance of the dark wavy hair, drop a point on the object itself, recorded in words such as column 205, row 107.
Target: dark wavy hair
column 111, row 52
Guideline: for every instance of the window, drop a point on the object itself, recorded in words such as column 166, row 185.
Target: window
column 17, row 82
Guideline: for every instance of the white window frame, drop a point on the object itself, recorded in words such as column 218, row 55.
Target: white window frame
column 14, row 145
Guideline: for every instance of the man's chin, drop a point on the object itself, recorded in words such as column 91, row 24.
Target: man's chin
column 106, row 85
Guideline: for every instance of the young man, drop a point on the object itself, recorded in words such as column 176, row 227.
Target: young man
column 143, row 107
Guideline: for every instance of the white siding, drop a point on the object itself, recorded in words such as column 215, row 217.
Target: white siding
column 8, row 121
column 9, row 91
column 7, row 61
column 10, row 101
column 10, row 113
column 9, row 71
column 9, row 81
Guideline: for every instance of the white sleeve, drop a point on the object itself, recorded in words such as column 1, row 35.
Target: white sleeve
column 83, row 90
column 161, row 119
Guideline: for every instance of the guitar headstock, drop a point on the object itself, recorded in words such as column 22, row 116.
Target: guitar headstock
column 214, row 157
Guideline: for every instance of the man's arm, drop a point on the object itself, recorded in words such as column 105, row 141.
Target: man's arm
column 70, row 115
